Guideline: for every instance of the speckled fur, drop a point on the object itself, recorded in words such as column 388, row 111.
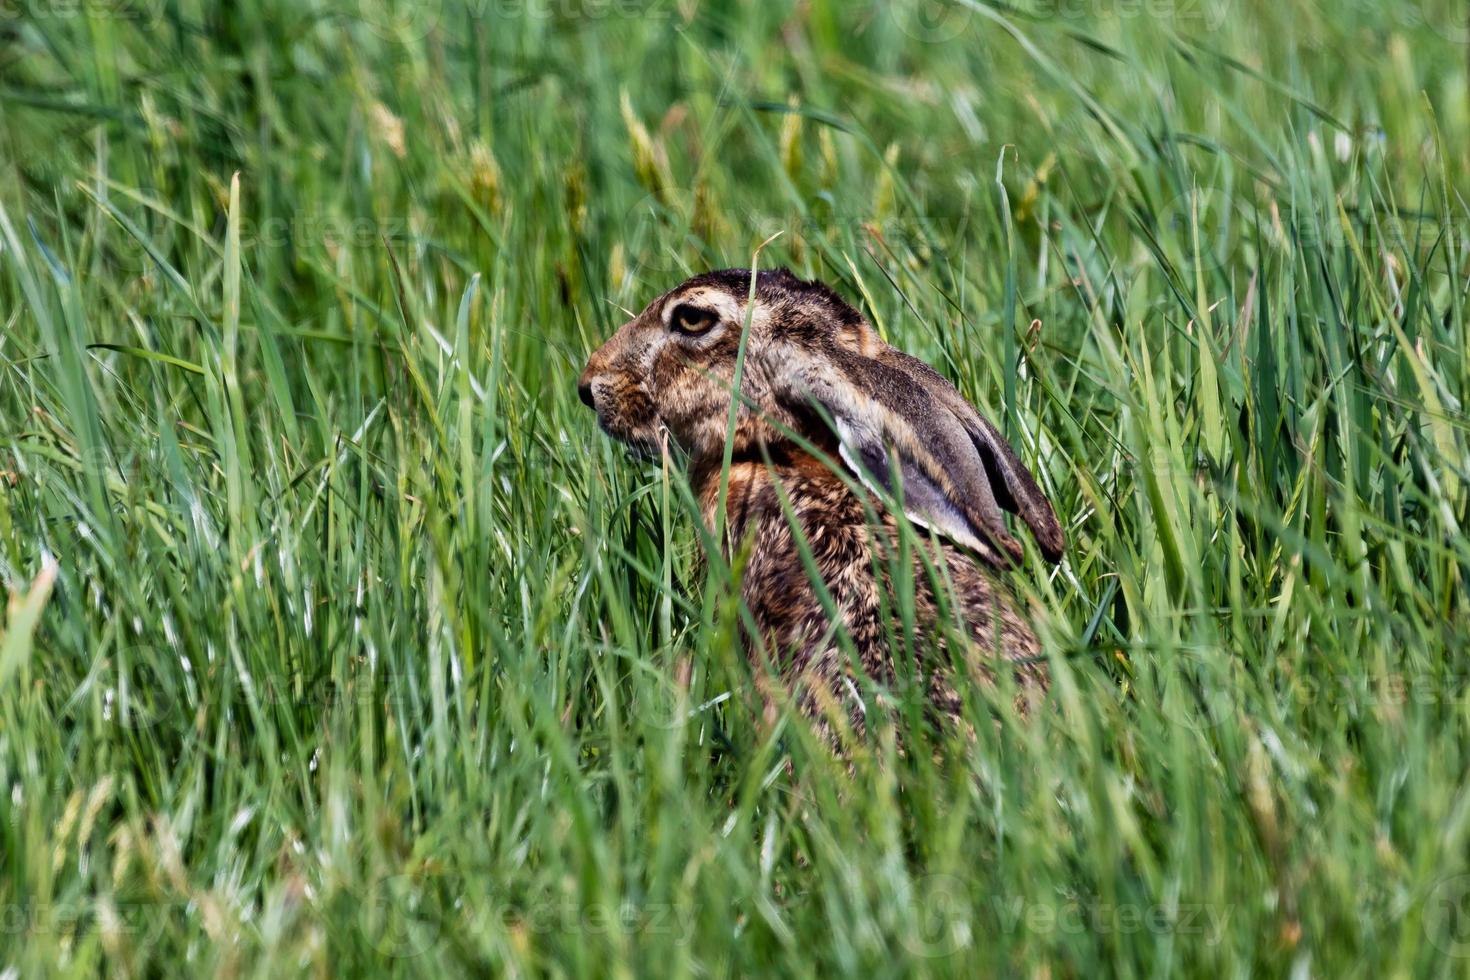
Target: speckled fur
column 647, row 379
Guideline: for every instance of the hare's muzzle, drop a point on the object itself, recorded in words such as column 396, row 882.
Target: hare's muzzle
column 592, row 372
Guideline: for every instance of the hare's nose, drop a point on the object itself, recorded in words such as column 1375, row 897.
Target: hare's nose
column 584, row 392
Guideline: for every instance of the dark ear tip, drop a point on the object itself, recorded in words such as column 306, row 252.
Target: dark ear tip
column 1052, row 542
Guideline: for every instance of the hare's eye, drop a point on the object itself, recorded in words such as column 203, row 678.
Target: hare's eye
column 692, row 319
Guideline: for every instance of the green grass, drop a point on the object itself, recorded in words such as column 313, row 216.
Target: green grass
column 366, row 651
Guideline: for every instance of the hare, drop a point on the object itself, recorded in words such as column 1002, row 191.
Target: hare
column 817, row 385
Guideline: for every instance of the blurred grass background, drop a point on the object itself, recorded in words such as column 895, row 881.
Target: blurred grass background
column 341, row 640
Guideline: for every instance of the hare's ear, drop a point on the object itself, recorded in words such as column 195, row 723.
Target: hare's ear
column 904, row 428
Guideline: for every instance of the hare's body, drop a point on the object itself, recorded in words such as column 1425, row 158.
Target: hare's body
column 770, row 502
column 818, row 385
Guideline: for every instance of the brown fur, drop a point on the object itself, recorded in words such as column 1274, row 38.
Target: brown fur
column 810, row 355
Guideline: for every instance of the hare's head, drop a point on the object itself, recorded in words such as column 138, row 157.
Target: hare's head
column 813, row 366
